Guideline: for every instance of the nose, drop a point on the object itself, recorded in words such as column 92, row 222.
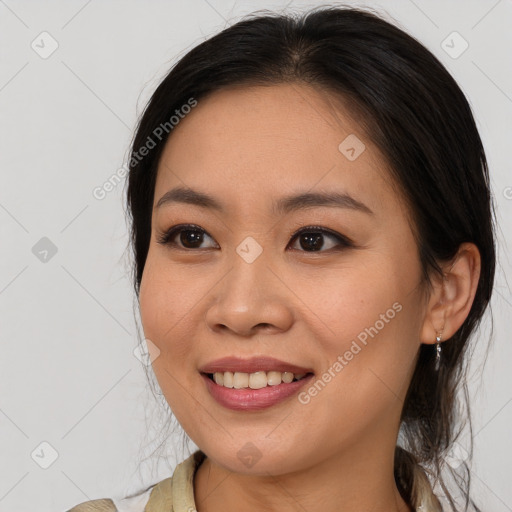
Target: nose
column 249, row 299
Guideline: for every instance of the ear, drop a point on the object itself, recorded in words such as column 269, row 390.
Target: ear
column 452, row 295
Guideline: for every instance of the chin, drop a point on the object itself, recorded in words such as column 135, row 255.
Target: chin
column 257, row 458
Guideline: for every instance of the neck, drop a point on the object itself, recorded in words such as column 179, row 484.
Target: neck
column 343, row 482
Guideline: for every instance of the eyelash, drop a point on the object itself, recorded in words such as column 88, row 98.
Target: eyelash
column 166, row 237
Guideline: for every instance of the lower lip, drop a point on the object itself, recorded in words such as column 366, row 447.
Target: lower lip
column 247, row 399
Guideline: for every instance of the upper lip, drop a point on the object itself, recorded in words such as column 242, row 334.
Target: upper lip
column 251, row 365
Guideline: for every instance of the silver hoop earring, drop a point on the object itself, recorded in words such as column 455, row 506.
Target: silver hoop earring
column 438, row 352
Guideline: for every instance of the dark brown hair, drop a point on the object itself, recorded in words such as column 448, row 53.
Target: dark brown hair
column 417, row 115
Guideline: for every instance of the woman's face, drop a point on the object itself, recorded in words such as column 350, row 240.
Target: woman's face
column 344, row 304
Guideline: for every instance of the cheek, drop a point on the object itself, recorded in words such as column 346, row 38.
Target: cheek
column 373, row 312
column 167, row 299
column 349, row 300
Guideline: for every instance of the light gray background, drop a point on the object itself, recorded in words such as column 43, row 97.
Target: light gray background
column 68, row 375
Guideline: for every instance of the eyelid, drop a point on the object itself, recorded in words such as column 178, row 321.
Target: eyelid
column 165, row 237
column 314, row 229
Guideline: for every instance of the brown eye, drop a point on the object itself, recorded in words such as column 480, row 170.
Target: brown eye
column 185, row 237
column 309, row 239
column 313, row 239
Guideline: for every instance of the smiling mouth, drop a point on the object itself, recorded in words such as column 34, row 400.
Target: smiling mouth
column 256, row 380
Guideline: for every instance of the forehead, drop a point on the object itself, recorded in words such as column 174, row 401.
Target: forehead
column 284, row 137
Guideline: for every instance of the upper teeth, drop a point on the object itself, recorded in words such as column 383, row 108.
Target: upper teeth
column 255, row 380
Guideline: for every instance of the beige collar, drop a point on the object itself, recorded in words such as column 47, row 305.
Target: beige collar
column 176, row 493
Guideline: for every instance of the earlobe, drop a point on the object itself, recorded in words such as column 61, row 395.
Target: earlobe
column 452, row 296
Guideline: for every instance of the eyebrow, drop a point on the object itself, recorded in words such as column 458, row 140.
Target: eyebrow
column 282, row 206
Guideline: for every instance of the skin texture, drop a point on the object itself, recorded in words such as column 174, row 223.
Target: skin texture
column 247, row 147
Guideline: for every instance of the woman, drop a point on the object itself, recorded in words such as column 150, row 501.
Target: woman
column 313, row 239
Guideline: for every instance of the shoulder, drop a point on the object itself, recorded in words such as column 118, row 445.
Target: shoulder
column 136, row 503
column 105, row 505
column 175, row 490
